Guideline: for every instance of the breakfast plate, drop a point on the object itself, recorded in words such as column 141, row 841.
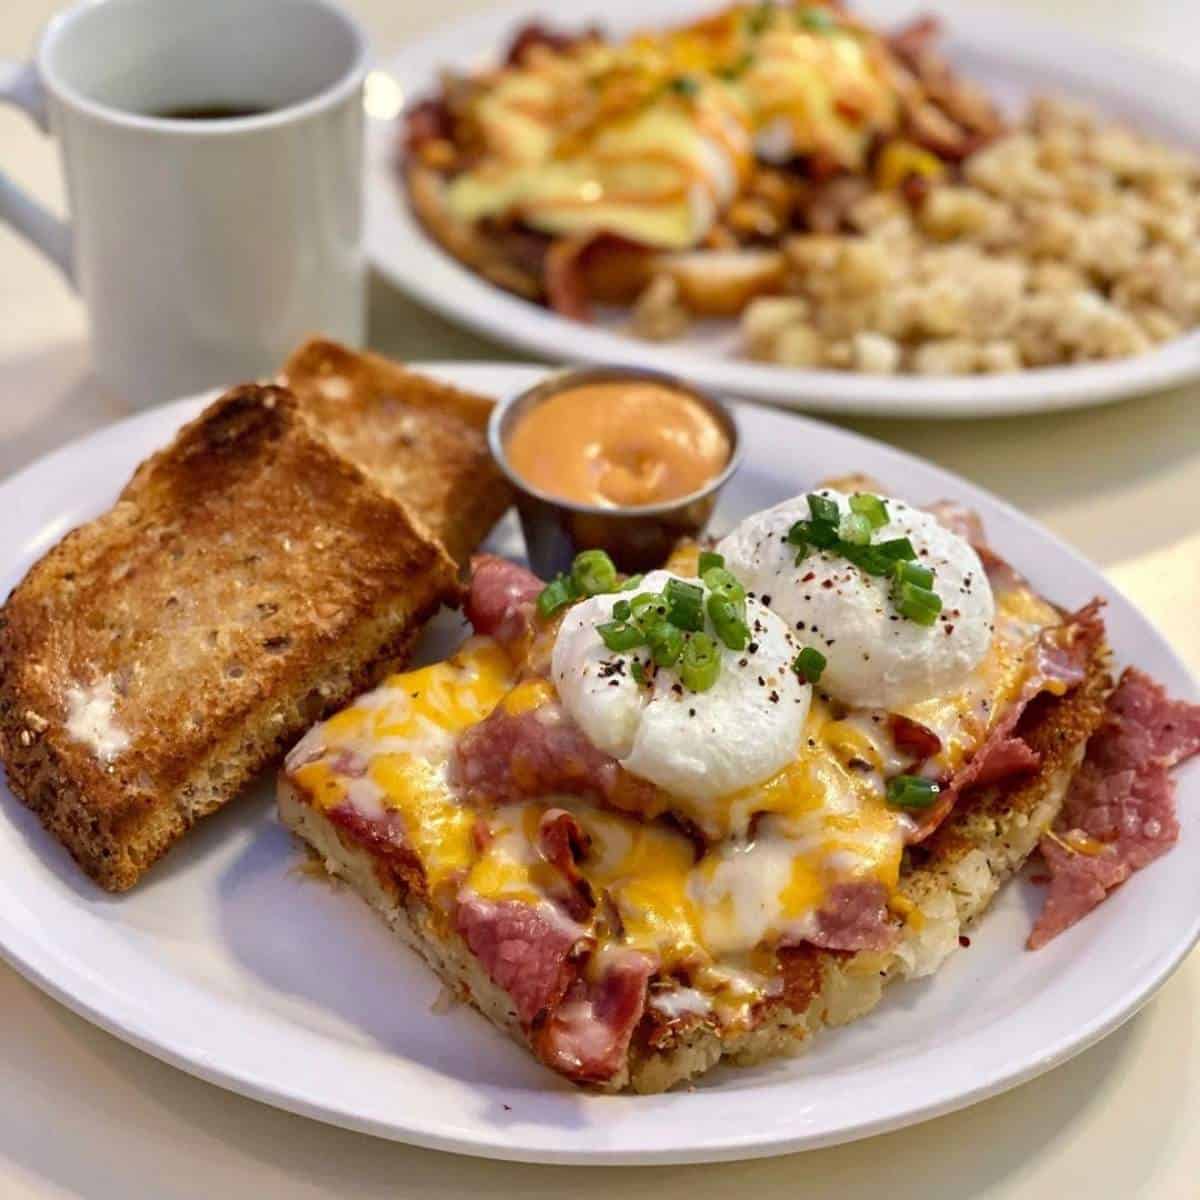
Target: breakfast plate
column 1013, row 58
column 233, row 963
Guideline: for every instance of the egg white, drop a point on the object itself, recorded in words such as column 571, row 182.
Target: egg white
column 699, row 745
column 875, row 658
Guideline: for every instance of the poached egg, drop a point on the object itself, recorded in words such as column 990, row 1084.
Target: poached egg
column 697, row 745
column 875, row 658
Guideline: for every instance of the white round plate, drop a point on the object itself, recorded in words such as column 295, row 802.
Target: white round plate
column 1012, row 57
column 231, row 963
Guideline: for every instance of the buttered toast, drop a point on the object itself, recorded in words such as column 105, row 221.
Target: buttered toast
column 248, row 580
column 422, row 441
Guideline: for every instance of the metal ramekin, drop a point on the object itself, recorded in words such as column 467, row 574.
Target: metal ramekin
column 638, row 538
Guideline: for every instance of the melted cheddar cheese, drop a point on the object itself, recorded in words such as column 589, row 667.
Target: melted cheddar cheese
column 774, row 851
column 653, row 137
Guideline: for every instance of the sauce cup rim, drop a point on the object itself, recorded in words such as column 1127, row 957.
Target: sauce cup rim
column 568, row 377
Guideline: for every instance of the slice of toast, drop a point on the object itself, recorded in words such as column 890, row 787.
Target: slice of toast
column 248, row 580
column 946, row 885
column 422, row 441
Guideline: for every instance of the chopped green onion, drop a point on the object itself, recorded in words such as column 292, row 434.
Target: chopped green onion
column 700, row 663
column 708, row 560
column 897, row 549
column 666, row 644
column 728, row 622
column 914, row 573
column 558, row 593
column 822, row 534
column 866, row 558
column 756, row 20
column 809, row 664
column 622, row 610
column 870, row 507
column 637, row 671
column 724, row 583
column 802, row 553
column 631, row 584
column 911, row 791
column 594, row 572
column 798, row 534
column 818, row 20
column 823, row 509
column 684, row 85
column 685, row 604
column 855, row 529
column 648, row 608
column 617, row 635
column 917, row 604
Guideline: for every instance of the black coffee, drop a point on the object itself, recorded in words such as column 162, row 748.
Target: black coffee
column 210, row 112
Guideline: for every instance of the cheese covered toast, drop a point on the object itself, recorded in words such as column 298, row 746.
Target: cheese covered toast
column 248, row 581
column 420, row 440
column 633, row 936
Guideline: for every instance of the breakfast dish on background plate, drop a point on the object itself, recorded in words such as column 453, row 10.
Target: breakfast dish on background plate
column 645, row 823
column 818, row 187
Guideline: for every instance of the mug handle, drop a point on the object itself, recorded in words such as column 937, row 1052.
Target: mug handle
column 19, row 85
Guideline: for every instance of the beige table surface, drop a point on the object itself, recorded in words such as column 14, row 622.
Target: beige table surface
column 82, row 1114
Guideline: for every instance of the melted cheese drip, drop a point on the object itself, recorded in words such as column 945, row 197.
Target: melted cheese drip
column 396, row 740
column 603, row 137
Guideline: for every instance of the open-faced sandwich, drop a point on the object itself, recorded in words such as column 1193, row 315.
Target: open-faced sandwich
column 646, row 824
column 845, row 194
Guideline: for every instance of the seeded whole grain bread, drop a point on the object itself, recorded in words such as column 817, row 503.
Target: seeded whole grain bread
column 946, row 885
column 420, row 440
column 248, row 581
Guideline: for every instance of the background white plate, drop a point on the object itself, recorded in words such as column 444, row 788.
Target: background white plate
column 233, row 965
column 1012, row 56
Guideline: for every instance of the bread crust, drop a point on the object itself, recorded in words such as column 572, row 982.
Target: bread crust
column 248, row 581
column 946, row 885
column 422, row 441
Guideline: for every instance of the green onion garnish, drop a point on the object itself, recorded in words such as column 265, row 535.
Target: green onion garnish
column 637, row 671
column 897, row 549
column 823, row 509
column 817, row 20
column 822, row 534
column 917, row 603
column 870, row 507
column 708, row 560
column 648, row 608
column 685, row 604
column 666, row 644
column 721, row 582
column 631, row 584
column 866, row 558
column 798, row 534
column 684, row 85
column 756, row 20
column 617, row 635
column 911, row 791
column 594, row 572
column 809, row 664
column 700, row 663
column 558, row 593
column 727, row 621
column 855, row 529
column 622, row 610
column 914, row 573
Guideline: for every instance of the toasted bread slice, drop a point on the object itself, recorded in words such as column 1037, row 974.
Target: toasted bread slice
column 248, row 580
column 420, row 440
column 946, row 885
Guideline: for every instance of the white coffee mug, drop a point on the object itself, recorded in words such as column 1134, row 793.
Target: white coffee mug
column 204, row 249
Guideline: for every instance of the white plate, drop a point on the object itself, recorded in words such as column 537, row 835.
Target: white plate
column 1014, row 58
column 231, row 964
